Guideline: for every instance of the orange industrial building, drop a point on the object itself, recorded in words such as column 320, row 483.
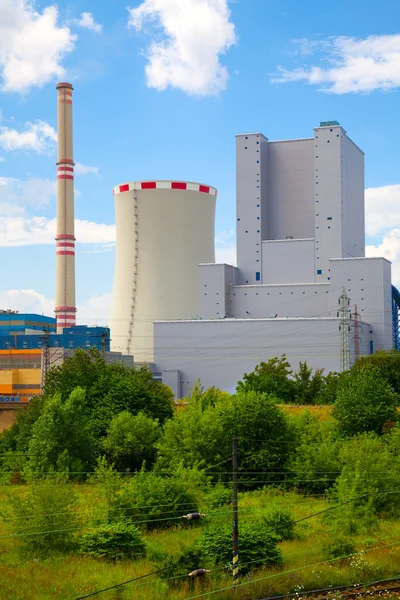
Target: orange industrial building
column 20, row 374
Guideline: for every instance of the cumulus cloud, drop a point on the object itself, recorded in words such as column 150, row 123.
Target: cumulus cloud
column 225, row 247
column 382, row 208
column 186, row 55
column 32, row 45
column 38, row 136
column 17, row 194
column 26, row 301
column 349, row 64
column 87, row 21
column 389, row 248
column 85, row 169
column 32, row 231
column 94, row 311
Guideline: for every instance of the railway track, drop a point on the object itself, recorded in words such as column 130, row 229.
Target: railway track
column 376, row 588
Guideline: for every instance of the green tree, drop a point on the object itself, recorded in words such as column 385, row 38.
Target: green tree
column 331, row 383
column 315, row 463
column 131, row 439
column 19, row 435
column 61, row 438
column 110, row 388
column 46, row 518
column 386, row 362
column 202, row 437
column 308, row 386
column 272, row 377
column 365, row 402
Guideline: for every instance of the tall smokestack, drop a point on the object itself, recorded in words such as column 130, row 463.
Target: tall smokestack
column 65, row 241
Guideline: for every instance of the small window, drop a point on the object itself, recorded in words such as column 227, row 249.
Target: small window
column 329, row 218
column 239, row 219
column 258, row 206
column 258, row 218
column 258, row 162
column 329, row 226
column 319, row 271
column 258, row 276
column 245, row 147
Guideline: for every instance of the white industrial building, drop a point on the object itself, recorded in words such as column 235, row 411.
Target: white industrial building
column 300, row 240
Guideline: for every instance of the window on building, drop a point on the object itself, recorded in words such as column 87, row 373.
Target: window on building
column 319, row 271
column 258, row 276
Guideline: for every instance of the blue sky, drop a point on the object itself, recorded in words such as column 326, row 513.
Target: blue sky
column 161, row 89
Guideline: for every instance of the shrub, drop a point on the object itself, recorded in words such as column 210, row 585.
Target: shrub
column 258, row 546
column 219, row 496
column 113, row 541
column 48, row 509
column 365, row 402
column 156, row 501
column 338, row 548
column 281, row 523
column 131, row 440
column 181, row 563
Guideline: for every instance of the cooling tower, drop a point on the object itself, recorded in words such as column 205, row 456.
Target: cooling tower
column 164, row 230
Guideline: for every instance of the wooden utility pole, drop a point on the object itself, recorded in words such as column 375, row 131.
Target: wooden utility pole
column 235, row 532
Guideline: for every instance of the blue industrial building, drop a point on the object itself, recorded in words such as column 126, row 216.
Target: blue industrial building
column 28, row 332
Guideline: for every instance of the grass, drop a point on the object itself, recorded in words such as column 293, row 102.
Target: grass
column 322, row 412
column 69, row 576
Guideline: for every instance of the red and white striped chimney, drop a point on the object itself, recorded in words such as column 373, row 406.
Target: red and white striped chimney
column 65, row 309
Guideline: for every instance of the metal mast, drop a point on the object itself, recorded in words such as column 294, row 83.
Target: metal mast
column 356, row 337
column 344, row 328
column 65, row 308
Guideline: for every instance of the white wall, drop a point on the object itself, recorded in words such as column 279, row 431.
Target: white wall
column 368, row 284
column 251, row 190
column 297, row 300
column 328, row 143
column 220, row 352
column 215, row 281
column 353, row 200
column 288, row 261
column 290, row 189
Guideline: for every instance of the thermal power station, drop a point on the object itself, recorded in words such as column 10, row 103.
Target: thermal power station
column 300, row 254
column 65, row 308
column 164, row 230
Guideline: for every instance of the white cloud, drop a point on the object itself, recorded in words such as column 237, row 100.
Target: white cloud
column 26, row 301
column 225, row 247
column 382, row 208
column 85, row 169
column 32, row 45
column 351, row 64
column 95, row 311
column 32, row 231
column 87, row 21
column 19, row 194
column 389, row 248
column 38, row 136
column 2, row 159
column 187, row 54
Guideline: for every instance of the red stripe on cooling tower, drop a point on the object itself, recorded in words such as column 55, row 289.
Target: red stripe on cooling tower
column 65, row 308
column 176, row 185
column 124, row 188
column 71, row 169
column 65, row 245
column 64, row 253
column 205, row 189
column 71, row 177
column 148, row 185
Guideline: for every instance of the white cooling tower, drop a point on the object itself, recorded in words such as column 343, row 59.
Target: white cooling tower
column 164, row 230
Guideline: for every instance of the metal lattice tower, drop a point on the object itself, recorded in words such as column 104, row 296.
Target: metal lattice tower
column 45, row 355
column 356, row 336
column 344, row 328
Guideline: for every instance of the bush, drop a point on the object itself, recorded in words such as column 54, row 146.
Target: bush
column 181, row 563
column 131, row 440
column 219, row 496
column 365, row 402
column 258, row 546
column 281, row 523
column 338, row 548
column 156, row 501
column 48, row 509
column 113, row 541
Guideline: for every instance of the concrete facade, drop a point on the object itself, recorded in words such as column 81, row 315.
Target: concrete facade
column 300, row 241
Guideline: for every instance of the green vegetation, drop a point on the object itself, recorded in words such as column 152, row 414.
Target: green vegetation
column 97, row 475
